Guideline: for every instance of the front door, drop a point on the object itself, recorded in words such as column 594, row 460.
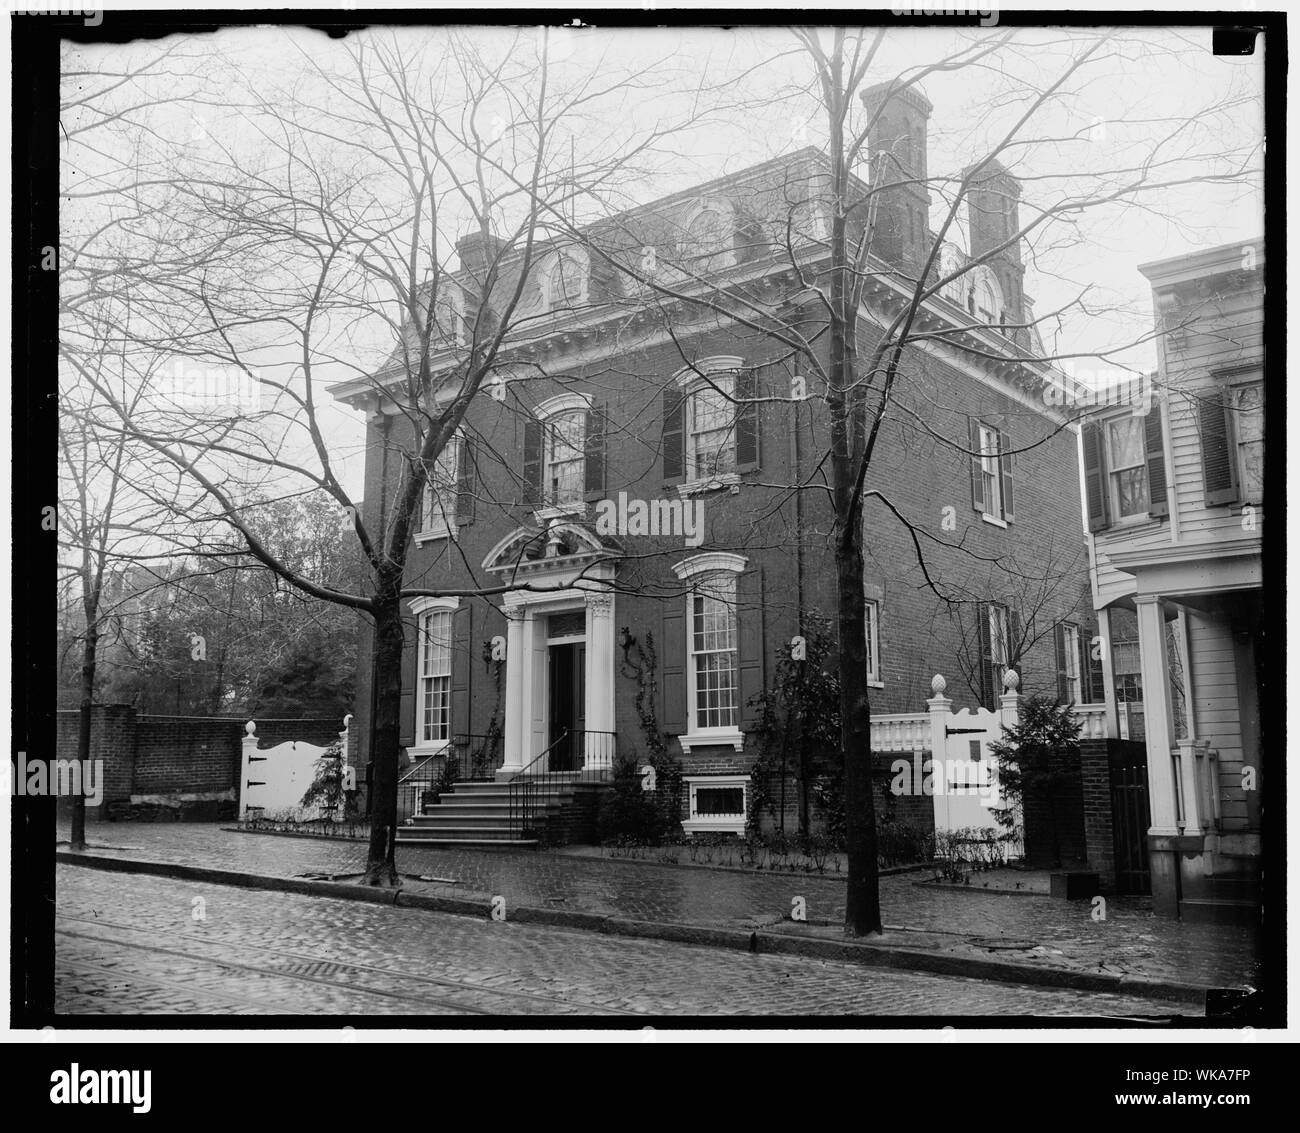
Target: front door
column 567, row 703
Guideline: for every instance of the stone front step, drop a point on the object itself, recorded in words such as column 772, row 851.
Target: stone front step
column 439, row 840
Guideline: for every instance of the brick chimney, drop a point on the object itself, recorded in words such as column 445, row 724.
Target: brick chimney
column 477, row 252
column 899, row 152
column 993, row 213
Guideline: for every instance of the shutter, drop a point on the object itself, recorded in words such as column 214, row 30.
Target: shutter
column 672, row 660
column 985, row 638
column 1004, row 467
column 1062, row 673
column 406, row 719
column 594, row 452
column 1157, row 488
column 1094, row 476
column 1216, row 452
column 749, row 641
column 532, row 462
column 462, row 668
column 465, row 485
column 747, row 422
column 674, row 438
column 976, row 471
column 1015, row 658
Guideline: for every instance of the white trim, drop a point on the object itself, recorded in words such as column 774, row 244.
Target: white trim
column 728, row 480
column 710, row 561
column 562, row 403
column 993, row 519
column 701, row 369
column 723, row 824
column 712, row 737
column 424, row 604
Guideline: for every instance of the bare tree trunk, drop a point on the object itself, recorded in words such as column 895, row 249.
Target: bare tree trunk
column 862, row 913
column 88, row 665
column 381, row 866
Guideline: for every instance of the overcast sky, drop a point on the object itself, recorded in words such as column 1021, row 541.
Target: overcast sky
column 1140, row 87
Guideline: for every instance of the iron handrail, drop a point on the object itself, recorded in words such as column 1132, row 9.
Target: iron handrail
column 530, row 784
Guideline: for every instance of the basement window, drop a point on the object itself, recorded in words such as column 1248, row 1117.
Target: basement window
column 717, row 804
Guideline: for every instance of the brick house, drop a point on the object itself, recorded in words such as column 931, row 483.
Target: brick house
column 634, row 461
column 1174, row 496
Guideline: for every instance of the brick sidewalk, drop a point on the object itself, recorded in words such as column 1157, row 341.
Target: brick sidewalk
column 1039, row 931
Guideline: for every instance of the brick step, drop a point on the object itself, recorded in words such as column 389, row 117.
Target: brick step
column 530, row 843
column 487, row 833
column 430, row 820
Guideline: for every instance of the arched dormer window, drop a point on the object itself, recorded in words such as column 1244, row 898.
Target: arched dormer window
column 709, row 243
column 985, row 302
column 449, row 324
column 951, row 260
column 563, row 277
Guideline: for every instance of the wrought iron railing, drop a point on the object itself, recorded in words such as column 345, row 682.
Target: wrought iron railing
column 575, row 756
column 478, row 755
column 415, row 787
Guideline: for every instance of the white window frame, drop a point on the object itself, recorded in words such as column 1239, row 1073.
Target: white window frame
column 718, row 259
column 1073, row 674
column 991, row 475
column 553, row 299
column 999, row 642
column 547, row 413
column 872, row 610
column 715, row 824
column 425, row 610
column 1112, row 472
column 437, row 520
column 722, row 384
column 706, row 571
column 1235, row 390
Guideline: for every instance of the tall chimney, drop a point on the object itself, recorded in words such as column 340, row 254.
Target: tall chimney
column 993, row 208
column 899, row 153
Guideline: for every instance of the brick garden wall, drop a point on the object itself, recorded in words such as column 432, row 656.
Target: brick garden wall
column 174, row 755
column 1098, row 828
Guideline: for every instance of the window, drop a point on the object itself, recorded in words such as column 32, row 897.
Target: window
column 566, row 282
column 565, row 463
column 1247, row 403
column 433, row 725
column 442, row 490
column 717, row 803
column 712, row 646
column 711, row 428
column 999, row 650
column 1071, row 677
column 709, row 241
column 1126, row 461
column 873, row 641
column 991, row 471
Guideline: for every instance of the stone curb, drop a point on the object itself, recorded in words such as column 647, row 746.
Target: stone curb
column 857, row 952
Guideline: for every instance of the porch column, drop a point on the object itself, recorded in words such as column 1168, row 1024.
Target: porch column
column 1191, row 781
column 599, row 753
column 516, row 668
column 1158, row 716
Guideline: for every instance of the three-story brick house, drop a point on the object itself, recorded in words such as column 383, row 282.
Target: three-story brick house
column 647, row 472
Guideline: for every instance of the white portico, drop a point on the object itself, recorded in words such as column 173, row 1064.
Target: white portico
column 560, row 650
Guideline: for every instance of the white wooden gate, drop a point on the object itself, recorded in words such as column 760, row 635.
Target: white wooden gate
column 273, row 781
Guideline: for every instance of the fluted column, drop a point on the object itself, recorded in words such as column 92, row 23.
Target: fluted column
column 516, row 724
column 599, row 754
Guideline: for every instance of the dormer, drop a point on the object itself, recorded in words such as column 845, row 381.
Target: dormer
column 563, row 277
column 708, row 242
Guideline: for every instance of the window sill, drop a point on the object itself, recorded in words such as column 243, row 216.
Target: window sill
column 730, row 480
column 720, row 825
column 720, row 738
column 423, row 751
column 875, row 684
column 576, row 510
column 994, row 520
column 435, row 533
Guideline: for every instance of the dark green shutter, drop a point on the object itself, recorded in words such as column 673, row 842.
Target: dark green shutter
column 1157, row 487
column 410, row 647
column 987, row 678
column 594, row 471
column 1015, row 658
column 465, row 482
column 747, row 422
column 749, row 641
column 674, row 434
column 1004, row 468
column 672, row 659
column 532, row 462
column 1094, row 476
column 1216, row 452
column 1062, row 671
column 462, row 667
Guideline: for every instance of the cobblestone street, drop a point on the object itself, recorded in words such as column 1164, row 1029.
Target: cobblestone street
column 1129, row 941
column 135, row 945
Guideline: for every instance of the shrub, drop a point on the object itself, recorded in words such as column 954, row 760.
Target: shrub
column 628, row 811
